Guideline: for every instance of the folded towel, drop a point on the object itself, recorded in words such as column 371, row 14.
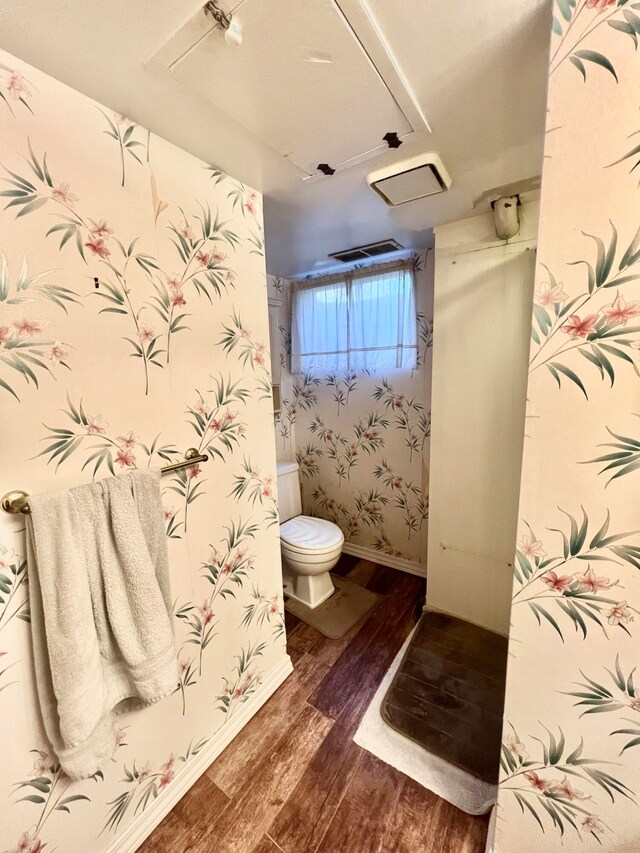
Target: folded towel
column 101, row 615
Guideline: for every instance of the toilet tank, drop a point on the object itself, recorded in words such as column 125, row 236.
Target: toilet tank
column 289, row 500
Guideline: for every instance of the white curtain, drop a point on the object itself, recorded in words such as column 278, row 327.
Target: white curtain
column 365, row 322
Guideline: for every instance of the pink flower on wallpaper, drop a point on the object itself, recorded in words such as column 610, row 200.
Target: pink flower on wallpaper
column 565, row 789
column 96, row 426
column 558, row 584
column 577, row 328
column 145, row 335
column 43, row 764
column 100, row 229
column 531, row 547
column 590, row 582
column 516, row 747
column 62, row 193
column 27, row 328
column 548, row 296
column 5, row 335
column 635, row 704
column 599, row 4
column 169, row 763
column 173, row 281
column 125, row 458
column 218, row 255
column 201, row 408
column 215, row 425
column 57, row 352
column 619, row 614
column 127, row 441
column 98, row 247
column 592, row 824
column 193, row 471
column 251, row 202
column 177, row 298
column 538, row 783
column 186, row 231
column 202, row 258
column 206, row 613
column 144, row 773
column 121, row 119
column 169, row 513
column 231, row 277
column 16, row 86
column 620, row 311
column 259, row 359
column 28, row 843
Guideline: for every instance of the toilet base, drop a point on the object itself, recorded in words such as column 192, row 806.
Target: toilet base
column 311, row 590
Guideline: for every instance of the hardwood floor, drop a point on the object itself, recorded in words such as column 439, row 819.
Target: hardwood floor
column 293, row 781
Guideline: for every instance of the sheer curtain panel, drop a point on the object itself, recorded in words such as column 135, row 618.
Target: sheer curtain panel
column 364, row 322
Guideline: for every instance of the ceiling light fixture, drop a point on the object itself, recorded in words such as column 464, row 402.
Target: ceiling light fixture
column 233, row 33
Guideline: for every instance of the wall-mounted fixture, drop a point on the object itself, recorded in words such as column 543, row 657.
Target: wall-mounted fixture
column 408, row 180
column 233, row 33
column 506, row 216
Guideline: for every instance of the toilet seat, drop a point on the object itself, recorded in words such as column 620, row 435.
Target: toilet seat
column 306, row 535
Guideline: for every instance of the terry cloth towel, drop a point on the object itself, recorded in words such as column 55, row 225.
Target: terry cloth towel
column 101, row 615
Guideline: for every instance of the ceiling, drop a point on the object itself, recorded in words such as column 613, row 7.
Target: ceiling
column 467, row 80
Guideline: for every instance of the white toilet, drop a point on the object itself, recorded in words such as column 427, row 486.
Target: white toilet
column 310, row 546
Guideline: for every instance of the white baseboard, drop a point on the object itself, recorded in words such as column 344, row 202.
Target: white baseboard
column 142, row 826
column 385, row 559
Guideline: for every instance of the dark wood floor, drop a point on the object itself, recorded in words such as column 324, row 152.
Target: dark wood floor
column 294, row 781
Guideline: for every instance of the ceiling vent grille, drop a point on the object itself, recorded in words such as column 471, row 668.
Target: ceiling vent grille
column 411, row 179
column 362, row 253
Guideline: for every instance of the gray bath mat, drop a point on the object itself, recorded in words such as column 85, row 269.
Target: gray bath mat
column 338, row 614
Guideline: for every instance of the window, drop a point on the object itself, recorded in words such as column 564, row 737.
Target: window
column 365, row 321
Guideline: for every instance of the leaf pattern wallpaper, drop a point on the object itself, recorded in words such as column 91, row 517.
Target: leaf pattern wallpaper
column 570, row 757
column 130, row 274
column 362, row 440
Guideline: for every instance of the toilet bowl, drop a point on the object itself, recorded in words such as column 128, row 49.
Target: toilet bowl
column 310, row 547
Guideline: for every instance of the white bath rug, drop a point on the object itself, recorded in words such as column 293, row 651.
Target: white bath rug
column 464, row 791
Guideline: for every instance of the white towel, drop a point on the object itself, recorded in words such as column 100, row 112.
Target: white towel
column 101, row 615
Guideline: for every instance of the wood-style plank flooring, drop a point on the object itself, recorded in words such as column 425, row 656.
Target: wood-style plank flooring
column 293, row 780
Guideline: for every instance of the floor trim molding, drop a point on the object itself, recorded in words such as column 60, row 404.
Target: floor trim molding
column 141, row 827
column 385, row 559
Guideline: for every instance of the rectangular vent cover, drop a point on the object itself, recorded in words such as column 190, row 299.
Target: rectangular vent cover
column 408, row 180
column 372, row 250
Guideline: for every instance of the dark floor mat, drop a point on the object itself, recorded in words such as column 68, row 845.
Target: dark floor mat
column 448, row 693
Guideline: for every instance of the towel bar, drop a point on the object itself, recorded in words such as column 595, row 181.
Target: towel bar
column 18, row 502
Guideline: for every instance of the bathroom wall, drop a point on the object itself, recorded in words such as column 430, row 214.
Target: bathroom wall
column 279, row 291
column 380, row 496
column 478, row 399
column 571, row 769
column 133, row 325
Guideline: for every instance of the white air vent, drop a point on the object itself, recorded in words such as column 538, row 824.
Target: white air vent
column 362, row 253
column 410, row 179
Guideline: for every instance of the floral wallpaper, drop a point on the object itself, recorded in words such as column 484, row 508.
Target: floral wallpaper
column 362, row 440
column 128, row 270
column 570, row 768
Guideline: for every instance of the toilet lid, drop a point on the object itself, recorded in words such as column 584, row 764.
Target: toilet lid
column 310, row 534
